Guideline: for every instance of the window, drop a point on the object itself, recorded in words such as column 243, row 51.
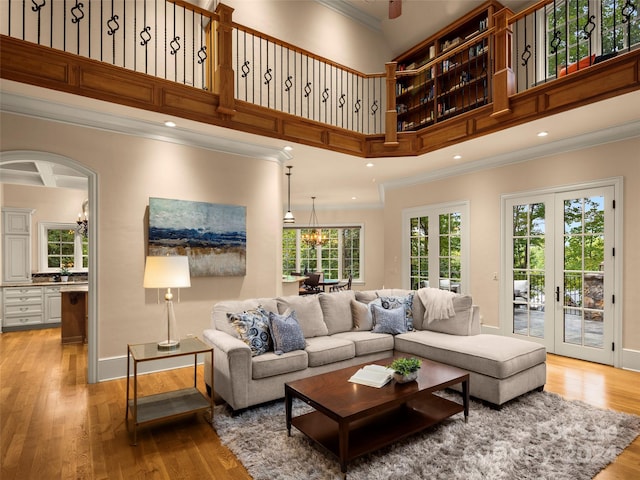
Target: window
column 435, row 243
column 339, row 257
column 576, row 29
column 60, row 244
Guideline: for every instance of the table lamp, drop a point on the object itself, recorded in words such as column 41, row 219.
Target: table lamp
column 168, row 272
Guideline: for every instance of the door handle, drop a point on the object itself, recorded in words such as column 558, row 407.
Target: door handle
column 557, row 294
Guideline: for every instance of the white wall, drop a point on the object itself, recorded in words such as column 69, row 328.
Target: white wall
column 330, row 35
column 130, row 170
column 483, row 189
column 50, row 204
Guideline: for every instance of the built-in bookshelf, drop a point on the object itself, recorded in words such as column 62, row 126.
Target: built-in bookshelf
column 446, row 74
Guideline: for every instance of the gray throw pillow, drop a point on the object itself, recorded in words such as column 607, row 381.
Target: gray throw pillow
column 253, row 328
column 388, row 320
column 286, row 332
column 405, row 301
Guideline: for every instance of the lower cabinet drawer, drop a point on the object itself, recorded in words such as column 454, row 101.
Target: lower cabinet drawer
column 24, row 309
column 22, row 320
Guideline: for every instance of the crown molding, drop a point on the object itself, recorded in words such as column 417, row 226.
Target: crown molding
column 580, row 142
column 353, row 13
column 84, row 117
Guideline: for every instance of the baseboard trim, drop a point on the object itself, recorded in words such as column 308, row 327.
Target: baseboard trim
column 631, row 359
column 490, row 329
column 116, row 367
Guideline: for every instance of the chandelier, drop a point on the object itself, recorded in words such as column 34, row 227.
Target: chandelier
column 314, row 237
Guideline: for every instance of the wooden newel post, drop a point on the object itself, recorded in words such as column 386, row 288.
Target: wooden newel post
column 223, row 83
column 504, row 80
column 391, row 115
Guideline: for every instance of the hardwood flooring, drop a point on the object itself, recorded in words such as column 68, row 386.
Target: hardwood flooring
column 54, row 425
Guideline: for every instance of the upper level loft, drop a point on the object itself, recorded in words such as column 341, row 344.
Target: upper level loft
column 489, row 70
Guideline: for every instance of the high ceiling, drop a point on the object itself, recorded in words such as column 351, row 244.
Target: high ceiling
column 339, row 180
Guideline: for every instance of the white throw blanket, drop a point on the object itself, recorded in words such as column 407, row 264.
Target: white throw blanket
column 438, row 304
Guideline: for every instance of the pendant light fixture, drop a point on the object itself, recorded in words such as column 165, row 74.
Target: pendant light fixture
column 314, row 236
column 288, row 217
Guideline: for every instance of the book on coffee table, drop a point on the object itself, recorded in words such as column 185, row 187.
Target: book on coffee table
column 372, row 376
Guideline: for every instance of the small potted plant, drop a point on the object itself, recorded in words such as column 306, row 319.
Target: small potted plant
column 64, row 272
column 405, row 369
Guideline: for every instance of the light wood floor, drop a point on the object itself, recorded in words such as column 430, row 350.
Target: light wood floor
column 55, row 425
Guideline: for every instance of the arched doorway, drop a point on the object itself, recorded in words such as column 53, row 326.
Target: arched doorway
column 22, row 156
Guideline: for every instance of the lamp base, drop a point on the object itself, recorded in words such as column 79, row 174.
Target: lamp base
column 166, row 345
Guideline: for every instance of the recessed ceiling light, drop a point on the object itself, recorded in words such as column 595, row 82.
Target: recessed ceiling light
column 370, row 164
column 457, row 157
column 543, row 134
column 288, row 148
column 169, row 123
column 354, row 198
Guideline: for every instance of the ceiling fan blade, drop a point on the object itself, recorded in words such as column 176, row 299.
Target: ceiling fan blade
column 395, row 8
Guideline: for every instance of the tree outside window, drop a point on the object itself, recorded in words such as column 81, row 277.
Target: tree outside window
column 338, row 258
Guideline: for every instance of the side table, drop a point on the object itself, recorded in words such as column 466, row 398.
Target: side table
column 169, row 404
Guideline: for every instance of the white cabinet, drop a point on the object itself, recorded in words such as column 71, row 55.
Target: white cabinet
column 23, row 306
column 52, row 305
column 16, row 241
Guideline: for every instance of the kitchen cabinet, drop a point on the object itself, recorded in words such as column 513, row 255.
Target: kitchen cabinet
column 16, row 241
column 52, row 305
column 23, row 307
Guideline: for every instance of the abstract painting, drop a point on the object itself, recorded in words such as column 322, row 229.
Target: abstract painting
column 213, row 236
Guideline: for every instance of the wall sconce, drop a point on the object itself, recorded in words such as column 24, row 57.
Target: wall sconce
column 83, row 220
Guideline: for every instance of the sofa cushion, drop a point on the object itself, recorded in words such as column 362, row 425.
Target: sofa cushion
column 270, row 364
column 361, row 315
column 325, row 350
column 308, row 313
column 492, row 355
column 253, row 328
column 368, row 296
column 286, row 332
column 219, row 319
column 368, row 342
column 388, row 320
column 336, row 310
column 405, row 301
column 460, row 324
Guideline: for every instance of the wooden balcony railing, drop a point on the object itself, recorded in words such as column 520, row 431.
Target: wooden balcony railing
column 187, row 62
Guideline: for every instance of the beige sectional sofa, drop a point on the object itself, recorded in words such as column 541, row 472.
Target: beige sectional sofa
column 338, row 332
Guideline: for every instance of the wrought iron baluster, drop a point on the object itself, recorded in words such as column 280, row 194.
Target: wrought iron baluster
column 78, row 15
column 37, row 7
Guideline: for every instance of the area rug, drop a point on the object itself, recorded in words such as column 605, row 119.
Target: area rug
column 537, row 436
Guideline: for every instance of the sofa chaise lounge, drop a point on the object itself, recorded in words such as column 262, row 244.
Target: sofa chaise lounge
column 340, row 330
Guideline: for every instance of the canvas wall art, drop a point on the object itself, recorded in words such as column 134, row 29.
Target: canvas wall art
column 213, row 236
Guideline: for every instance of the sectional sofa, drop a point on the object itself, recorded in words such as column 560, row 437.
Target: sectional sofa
column 341, row 329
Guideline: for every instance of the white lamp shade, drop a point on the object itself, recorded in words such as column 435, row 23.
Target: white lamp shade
column 167, row 272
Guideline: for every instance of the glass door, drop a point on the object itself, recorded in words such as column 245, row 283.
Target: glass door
column 584, row 269
column 559, row 271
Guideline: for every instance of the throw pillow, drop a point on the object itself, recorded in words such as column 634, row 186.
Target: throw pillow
column 388, row 320
column 253, row 328
column 286, row 332
column 361, row 315
column 405, row 302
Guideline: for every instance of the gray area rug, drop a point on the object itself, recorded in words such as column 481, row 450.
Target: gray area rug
column 538, row 436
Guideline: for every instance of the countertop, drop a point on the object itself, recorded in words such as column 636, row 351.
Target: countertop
column 44, row 284
column 70, row 287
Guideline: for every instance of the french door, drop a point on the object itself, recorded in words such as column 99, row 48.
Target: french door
column 559, row 271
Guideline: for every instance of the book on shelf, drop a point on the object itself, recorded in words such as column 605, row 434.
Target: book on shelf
column 372, row 376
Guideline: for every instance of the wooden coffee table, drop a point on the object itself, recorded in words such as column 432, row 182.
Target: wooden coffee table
column 351, row 420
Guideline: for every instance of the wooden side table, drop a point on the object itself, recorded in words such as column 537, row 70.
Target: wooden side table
column 151, row 408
